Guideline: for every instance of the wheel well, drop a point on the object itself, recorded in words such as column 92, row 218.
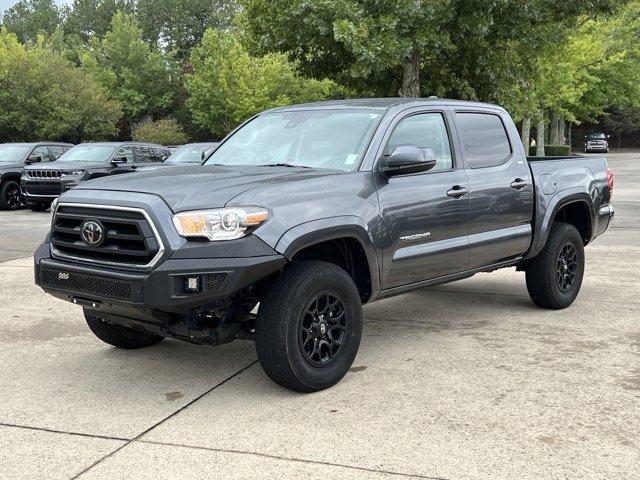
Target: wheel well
column 578, row 215
column 348, row 254
column 14, row 177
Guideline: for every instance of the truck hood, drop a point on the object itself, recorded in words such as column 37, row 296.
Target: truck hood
column 197, row 187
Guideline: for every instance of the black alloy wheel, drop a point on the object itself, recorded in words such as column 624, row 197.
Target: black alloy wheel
column 323, row 328
column 566, row 267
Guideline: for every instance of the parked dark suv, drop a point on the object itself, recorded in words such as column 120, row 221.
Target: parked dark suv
column 41, row 184
column 13, row 158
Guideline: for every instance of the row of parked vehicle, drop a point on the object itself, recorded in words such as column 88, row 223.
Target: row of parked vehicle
column 35, row 174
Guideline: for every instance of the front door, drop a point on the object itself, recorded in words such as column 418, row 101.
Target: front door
column 425, row 215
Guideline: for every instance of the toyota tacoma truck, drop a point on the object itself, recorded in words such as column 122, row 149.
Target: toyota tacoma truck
column 305, row 213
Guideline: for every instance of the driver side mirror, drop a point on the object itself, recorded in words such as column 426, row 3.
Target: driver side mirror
column 119, row 160
column 33, row 159
column 405, row 160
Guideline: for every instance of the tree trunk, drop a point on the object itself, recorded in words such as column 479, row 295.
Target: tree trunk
column 540, row 138
column 526, row 133
column 562, row 126
column 553, row 130
column 411, row 74
column 570, row 135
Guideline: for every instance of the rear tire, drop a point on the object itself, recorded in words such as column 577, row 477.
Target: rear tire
column 309, row 327
column 39, row 207
column 118, row 336
column 10, row 195
column 554, row 277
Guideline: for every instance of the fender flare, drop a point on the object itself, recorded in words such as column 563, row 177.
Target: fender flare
column 557, row 202
column 318, row 231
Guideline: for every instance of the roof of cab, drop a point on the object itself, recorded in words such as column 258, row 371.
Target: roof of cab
column 382, row 104
column 33, row 144
column 119, row 144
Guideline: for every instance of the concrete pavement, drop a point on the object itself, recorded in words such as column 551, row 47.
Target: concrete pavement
column 466, row 380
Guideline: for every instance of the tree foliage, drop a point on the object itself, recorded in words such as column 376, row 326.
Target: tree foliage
column 134, row 73
column 43, row 96
column 228, row 85
column 166, row 131
column 29, row 18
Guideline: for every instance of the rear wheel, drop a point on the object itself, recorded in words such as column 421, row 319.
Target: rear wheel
column 10, row 195
column 119, row 336
column 39, row 206
column 309, row 327
column 554, row 277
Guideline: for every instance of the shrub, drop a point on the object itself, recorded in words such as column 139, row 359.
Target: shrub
column 164, row 132
column 552, row 151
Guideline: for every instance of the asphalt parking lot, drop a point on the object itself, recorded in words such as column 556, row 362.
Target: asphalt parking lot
column 466, row 380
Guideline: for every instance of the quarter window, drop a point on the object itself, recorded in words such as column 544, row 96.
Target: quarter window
column 485, row 140
column 424, row 130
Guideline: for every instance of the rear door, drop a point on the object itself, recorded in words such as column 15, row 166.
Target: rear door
column 500, row 185
column 426, row 223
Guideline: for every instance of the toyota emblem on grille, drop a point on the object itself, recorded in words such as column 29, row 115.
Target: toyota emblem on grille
column 92, row 233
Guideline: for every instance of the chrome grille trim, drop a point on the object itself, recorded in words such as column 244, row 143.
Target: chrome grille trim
column 57, row 254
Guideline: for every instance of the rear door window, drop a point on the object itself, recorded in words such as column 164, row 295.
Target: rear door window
column 56, row 151
column 142, row 154
column 484, row 138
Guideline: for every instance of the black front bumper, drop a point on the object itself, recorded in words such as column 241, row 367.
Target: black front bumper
column 157, row 295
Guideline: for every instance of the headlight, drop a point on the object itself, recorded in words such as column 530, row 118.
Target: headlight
column 219, row 224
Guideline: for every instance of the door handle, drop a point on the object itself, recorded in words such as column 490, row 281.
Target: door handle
column 518, row 184
column 457, row 191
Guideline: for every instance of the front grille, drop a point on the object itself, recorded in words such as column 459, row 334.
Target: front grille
column 212, row 281
column 48, row 173
column 43, row 188
column 88, row 284
column 129, row 239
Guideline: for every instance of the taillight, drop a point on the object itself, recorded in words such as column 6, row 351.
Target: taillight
column 610, row 181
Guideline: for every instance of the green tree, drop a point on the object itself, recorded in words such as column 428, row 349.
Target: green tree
column 228, row 85
column 44, row 97
column 92, row 18
column 461, row 48
column 166, row 131
column 30, row 18
column 132, row 71
column 179, row 25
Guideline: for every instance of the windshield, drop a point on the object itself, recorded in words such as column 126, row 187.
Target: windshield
column 335, row 139
column 13, row 153
column 597, row 136
column 88, row 153
column 190, row 153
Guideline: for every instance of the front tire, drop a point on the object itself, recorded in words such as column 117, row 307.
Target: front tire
column 309, row 327
column 10, row 195
column 119, row 336
column 554, row 277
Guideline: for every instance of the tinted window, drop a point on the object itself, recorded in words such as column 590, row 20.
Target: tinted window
column 56, row 150
column 41, row 152
column 484, row 138
column 424, row 130
column 142, row 154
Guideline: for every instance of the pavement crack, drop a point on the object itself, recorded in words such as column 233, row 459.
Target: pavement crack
column 160, row 422
column 293, row 459
column 64, row 432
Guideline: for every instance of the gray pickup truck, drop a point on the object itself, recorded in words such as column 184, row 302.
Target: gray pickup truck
column 305, row 213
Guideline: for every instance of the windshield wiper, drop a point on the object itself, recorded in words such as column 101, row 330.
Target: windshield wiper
column 283, row 165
